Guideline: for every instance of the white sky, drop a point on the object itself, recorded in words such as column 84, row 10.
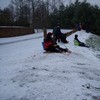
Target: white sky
column 26, row 73
column 5, row 3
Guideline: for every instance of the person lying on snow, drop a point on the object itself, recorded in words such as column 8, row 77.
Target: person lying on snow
column 51, row 46
column 79, row 43
column 58, row 35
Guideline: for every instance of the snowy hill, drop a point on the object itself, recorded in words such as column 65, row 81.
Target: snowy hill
column 26, row 73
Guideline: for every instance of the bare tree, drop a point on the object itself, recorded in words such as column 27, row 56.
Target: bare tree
column 70, row 1
column 37, row 11
column 20, row 10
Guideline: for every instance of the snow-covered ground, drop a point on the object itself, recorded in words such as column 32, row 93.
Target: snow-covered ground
column 26, row 73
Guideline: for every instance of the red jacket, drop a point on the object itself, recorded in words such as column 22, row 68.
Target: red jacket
column 47, row 44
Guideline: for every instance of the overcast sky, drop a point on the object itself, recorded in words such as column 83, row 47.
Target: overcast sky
column 5, row 3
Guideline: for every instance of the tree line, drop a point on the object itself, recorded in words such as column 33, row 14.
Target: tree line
column 47, row 13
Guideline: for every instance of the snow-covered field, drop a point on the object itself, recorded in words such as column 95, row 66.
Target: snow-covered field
column 26, row 73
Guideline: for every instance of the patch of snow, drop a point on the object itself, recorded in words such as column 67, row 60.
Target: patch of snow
column 26, row 73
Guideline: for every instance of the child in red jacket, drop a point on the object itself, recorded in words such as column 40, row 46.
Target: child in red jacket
column 51, row 46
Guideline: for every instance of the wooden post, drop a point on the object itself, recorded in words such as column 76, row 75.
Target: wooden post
column 44, row 35
column 44, row 32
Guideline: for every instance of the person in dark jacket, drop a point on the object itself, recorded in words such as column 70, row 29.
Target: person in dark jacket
column 51, row 46
column 79, row 26
column 79, row 43
column 58, row 35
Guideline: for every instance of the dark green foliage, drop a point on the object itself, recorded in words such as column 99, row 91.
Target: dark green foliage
column 79, row 12
column 5, row 17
